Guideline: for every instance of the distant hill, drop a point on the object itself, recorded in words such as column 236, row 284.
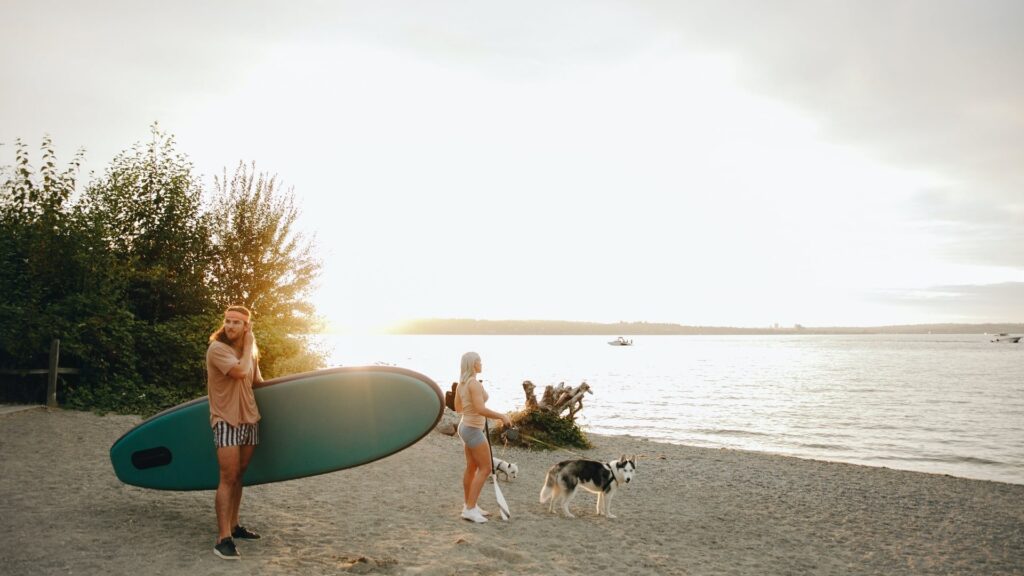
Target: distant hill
column 559, row 327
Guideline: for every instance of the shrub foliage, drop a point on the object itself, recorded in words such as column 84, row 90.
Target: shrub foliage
column 130, row 274
column 544, row 430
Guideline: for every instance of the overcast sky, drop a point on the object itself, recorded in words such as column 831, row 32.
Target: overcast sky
column 720, row 163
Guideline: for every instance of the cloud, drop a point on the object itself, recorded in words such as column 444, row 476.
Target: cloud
column 933, row 85
column 848, row 146
column 925, row 85
column 995, row 303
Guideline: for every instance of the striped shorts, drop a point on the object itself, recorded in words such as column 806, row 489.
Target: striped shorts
column 225, row 434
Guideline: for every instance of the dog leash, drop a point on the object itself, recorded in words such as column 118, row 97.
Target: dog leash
column 563, row 448
column 539, row 441
column 502, row 505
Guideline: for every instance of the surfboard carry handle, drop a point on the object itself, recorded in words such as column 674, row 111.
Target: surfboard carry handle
column 151, row 457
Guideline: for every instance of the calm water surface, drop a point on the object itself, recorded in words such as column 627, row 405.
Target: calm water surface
column 951, row 404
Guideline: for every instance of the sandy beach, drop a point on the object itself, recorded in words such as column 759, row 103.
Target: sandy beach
column 689, row 511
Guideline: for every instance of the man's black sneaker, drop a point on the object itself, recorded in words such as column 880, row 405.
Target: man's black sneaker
column 243, row 533
column 226, row 549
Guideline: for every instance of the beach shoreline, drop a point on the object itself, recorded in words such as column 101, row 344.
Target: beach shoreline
column 689, row 511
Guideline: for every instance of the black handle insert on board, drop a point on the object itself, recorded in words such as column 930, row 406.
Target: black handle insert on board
column 151, row 457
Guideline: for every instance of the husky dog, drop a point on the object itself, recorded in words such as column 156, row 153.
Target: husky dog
column 601, row 478
column 509, row 469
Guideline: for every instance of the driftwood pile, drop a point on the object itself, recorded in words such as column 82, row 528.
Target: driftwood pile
column 556, row 399
column 550, row 422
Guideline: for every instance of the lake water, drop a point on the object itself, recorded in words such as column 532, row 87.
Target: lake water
column 951, row 404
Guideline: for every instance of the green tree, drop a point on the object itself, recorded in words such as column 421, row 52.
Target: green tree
column 34, row 238
column 150, row 205
column 148, row 209
column 264, row 263
column 125, row 275
column 57, row 280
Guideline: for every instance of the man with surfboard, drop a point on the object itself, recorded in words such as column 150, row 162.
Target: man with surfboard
column 232, row 365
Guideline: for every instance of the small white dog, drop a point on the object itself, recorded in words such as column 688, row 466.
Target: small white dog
column 509, row 469
column 601, row 478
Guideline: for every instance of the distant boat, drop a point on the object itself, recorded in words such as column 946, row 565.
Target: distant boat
column 1004, row 337
column 620, row 341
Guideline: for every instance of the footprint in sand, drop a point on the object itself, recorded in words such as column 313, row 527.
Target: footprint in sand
column 501, row 554
column 365, row 565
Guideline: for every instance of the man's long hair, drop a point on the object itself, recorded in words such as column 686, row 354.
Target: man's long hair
column 219, row 334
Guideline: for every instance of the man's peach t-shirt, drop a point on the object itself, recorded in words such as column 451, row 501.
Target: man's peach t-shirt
column 231, row 400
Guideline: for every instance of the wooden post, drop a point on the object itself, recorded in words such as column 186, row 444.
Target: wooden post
column 51, row 385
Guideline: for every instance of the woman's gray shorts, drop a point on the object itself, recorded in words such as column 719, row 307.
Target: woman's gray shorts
column 471, row 437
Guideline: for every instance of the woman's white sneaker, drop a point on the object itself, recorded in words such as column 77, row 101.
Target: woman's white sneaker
column 473, row 515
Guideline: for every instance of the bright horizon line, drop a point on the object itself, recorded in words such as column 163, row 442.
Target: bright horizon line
column 397, row 327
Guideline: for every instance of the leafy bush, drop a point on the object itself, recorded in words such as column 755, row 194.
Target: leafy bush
column 546, row 431
column 122, row 275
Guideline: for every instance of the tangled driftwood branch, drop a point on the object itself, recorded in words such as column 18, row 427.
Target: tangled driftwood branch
column 557, row 399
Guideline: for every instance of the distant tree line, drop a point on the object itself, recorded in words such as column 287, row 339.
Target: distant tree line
column 132, row 271
column 568, row 328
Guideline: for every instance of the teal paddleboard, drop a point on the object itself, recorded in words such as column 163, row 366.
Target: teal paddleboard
column 311, row 423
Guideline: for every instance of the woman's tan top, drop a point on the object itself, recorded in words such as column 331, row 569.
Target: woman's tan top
column 470, row 417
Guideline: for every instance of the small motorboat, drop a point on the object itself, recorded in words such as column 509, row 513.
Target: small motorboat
column 620, row 341
column 1004, row 337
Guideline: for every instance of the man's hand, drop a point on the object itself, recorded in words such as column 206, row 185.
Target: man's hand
column 246, row 364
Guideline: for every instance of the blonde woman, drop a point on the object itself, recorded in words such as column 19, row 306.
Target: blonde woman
column 471, row 402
